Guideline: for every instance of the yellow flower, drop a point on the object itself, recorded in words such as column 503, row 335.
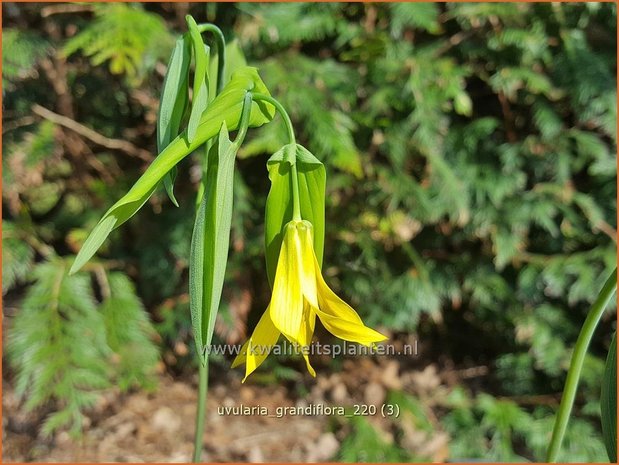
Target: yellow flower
column 299, row 295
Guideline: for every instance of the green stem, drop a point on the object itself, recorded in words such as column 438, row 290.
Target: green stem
column 243, row 120
column 296, row 204
column 203, row 369
column 221, row 51
column 578, row 358
column 201, row 413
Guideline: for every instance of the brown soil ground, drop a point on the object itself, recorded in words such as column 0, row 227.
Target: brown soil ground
column 158, row 426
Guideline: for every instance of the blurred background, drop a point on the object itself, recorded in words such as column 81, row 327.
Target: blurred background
column 471, row 209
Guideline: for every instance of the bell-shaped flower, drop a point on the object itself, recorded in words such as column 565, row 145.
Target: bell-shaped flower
column 300, row 294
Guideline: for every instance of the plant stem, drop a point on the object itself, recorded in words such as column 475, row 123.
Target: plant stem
column 203, row 369
column 578, row 358
column 221, row 52
column 201, row 412
column 296, row 205
column 243, row 120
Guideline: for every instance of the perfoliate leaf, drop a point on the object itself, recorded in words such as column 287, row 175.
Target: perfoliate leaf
column 608, row 402
column 227, row 108
column 312, row 183
column 210, row 240
column 174, row 100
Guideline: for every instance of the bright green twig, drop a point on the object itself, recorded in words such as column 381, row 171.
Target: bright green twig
column 201, row 413
column 578, row 358
column 243, row 120
column 296, row 204
column 282, row 111
column 221, row 51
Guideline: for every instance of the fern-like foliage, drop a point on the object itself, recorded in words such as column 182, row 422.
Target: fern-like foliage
column 21, row 52
column 57, row 346
column 30, row 173
column 130, row 38
column 129, row 334
column 414, row 15
column 17, row 256
column 485, row 423
column 61, row 342
column 365, row 444
column 294, row 22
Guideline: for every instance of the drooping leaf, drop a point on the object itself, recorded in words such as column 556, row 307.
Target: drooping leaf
column 98, row 235
column 312, row 182
column 226, row 108
column 608, row 402
column 210, row 240
column 174, row 100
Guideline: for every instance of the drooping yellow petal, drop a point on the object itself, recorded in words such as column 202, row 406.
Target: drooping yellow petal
column 258, row 346
column 241, row 356
column 306, row 334
column 287, row 300
column 339, row 318
column 308, row 263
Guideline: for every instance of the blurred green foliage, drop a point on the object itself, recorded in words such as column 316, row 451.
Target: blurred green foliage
column 470, row 151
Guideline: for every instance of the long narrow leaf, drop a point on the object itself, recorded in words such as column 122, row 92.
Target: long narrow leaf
column 174, row 100
column 174, row 95
column 210, row 241
column 200, row 77
column 312, row 182
column 226, row 108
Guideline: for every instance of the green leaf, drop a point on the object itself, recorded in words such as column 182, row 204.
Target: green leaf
column 200, row 77
column 210, row 240
column 227, row 108
column 168, row 184
column 608, row 401
column 199, row 104
column 95, row 239
column 235, row 59
column 174, row 95
column 174, row 100
column 312, row 183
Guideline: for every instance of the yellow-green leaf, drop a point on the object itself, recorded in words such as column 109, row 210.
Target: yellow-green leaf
column 200, row 77
column 210, row 240
column 173, row 104
column 312, row 183
column 226, row 108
